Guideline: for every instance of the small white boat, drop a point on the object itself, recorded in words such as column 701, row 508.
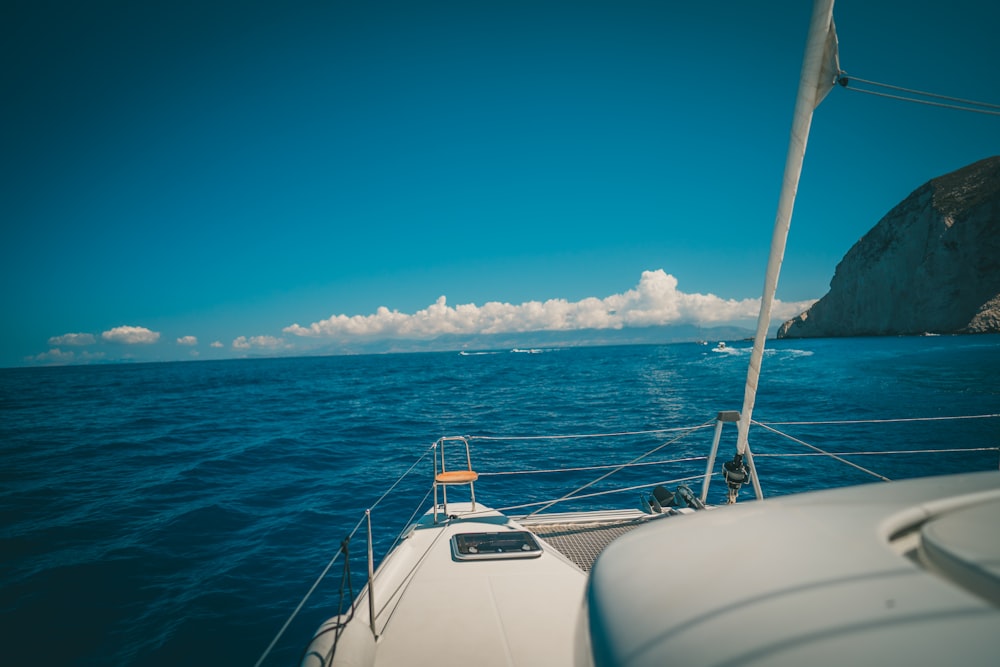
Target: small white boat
column 901, row 573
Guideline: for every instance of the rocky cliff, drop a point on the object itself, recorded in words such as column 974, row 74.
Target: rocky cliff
column 932, row 264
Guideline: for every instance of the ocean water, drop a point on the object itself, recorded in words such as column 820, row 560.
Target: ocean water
column 163, row 514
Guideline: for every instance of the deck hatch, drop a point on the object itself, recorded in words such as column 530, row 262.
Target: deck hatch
column 491, row 546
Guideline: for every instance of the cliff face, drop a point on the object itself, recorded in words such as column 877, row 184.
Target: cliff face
column 932, row 264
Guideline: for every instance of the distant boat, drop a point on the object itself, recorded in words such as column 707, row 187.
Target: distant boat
column 901, row 573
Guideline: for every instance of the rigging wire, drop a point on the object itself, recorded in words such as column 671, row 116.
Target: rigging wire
column 595, row 494
column 573, row 494
column 957, row 103
column 845, row 79
column 333, row 560
column 295, row 613
column 825, row 453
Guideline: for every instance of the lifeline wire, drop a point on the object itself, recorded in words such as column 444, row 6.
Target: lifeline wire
column 333, row 560
column 825, row 453
column 581, row 435
column 585, row 468
column 295, row 613
column 573, row 493
column 549, row 503
column 879, row 421
column 892, row 452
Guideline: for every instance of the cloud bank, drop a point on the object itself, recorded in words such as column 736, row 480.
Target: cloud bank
column 131, row 335
column 74, row 339
column 654, row 301
column 57, row 356
column 125, row 335
column 258, row 342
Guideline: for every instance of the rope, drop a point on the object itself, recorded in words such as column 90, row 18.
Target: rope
column 345, row 582
column 962, row 104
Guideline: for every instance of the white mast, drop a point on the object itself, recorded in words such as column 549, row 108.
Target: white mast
column 819, row 72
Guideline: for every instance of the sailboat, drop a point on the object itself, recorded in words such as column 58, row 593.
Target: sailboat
column 900, row 573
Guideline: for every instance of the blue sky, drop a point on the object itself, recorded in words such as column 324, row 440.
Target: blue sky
column 215, row 179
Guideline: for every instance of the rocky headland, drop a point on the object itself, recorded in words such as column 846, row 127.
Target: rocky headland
column 931, row 265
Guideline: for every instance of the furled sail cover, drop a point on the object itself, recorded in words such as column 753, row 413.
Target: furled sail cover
column 820, row 68
column 830, row 68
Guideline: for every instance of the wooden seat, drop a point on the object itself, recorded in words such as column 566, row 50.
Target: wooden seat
column 456, row 477
column 445, row 478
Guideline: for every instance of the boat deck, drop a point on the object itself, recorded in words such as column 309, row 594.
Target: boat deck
column 582, row 537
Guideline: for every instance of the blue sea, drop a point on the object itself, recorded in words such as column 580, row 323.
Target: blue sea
column 176, row 513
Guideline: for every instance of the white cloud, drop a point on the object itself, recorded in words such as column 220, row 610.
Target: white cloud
column 73, row 339
column 260, row 342
column 216, row 344
column 187, row 340
column 654, row 301
column 130, row 335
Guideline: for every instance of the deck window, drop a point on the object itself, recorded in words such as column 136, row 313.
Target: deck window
column 489, row 546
